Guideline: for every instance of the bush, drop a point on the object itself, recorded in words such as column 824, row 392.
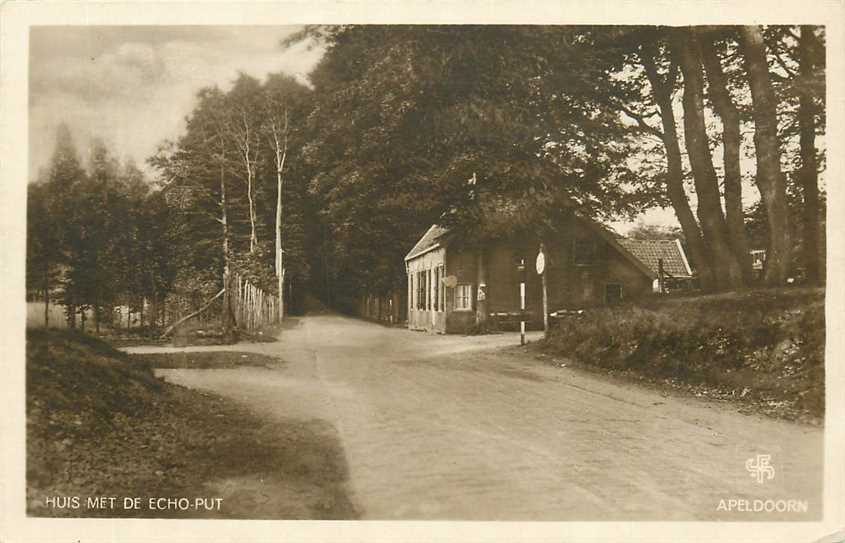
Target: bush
column 769, row 341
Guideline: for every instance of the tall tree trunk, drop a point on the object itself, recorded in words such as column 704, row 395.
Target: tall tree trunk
column 662, row 93
column 281, row 157
column 280, row 275
column 727, row 273
column 731, row 141
column 227, row 316
column 770, row 178
column 253, row 237
column 809, row 168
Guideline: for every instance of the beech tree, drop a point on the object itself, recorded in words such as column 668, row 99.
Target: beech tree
column 811, row 91
column 770, row 178
column 404, row 116
column 797, row 77
column 660, row 92
column 719, row 92
column 727, row 272
column 647, row 52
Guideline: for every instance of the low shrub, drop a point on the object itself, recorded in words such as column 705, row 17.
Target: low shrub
column 767, row 342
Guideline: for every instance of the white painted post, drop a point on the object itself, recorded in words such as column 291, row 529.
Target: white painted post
column 522, row 302
column 541, row 269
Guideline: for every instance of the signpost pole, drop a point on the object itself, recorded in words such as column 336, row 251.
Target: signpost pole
column 542, row 270
column 522, row 302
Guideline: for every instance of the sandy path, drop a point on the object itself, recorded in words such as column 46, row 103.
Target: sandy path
column 440, row 427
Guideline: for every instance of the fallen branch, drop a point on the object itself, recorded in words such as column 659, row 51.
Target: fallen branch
column 194, row 314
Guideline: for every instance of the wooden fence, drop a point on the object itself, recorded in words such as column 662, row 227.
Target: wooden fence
column 57, row 316
column 35, row 315
column 253, row 307
column 388, row 308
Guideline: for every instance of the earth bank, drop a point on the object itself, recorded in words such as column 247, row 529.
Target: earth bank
column 99, row 424
column 761, row 348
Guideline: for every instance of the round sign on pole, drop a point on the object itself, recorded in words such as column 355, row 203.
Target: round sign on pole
column 450, row 281
column 540, row 263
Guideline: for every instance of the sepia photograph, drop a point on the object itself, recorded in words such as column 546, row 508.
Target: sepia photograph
column 426, row 272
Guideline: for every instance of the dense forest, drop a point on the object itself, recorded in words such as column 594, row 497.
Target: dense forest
column 323, row 188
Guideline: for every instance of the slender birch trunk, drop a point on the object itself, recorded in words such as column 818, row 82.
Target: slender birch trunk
column 249, row 160
column 281, row 148
column 228, row 325
column 253, row 237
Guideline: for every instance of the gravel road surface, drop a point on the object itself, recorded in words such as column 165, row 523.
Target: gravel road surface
column 470, row 428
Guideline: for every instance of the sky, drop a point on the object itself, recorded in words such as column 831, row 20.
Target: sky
column 132, row 86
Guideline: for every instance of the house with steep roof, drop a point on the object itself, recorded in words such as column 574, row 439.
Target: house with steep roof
column 454, row 287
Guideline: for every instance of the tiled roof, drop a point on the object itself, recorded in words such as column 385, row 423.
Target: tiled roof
column 430, row 240
column 649, row 251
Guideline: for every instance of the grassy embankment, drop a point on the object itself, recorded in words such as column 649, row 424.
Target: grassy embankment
column 762, row 348
column 99, row 423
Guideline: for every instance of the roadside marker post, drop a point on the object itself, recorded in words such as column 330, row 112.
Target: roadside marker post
column 540, row 265
column 521, row 269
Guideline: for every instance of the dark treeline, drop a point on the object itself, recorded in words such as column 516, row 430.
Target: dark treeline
column 98, row 236
column 397, row 120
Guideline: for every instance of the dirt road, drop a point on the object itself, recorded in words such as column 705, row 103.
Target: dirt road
column 443, row 427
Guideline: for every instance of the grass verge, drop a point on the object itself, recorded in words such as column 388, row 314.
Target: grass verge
column 207, row 360
column 102, row 425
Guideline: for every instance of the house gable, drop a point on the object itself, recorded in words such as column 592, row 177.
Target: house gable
column 616, row 244
column 651, row 251
column 429, row 242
